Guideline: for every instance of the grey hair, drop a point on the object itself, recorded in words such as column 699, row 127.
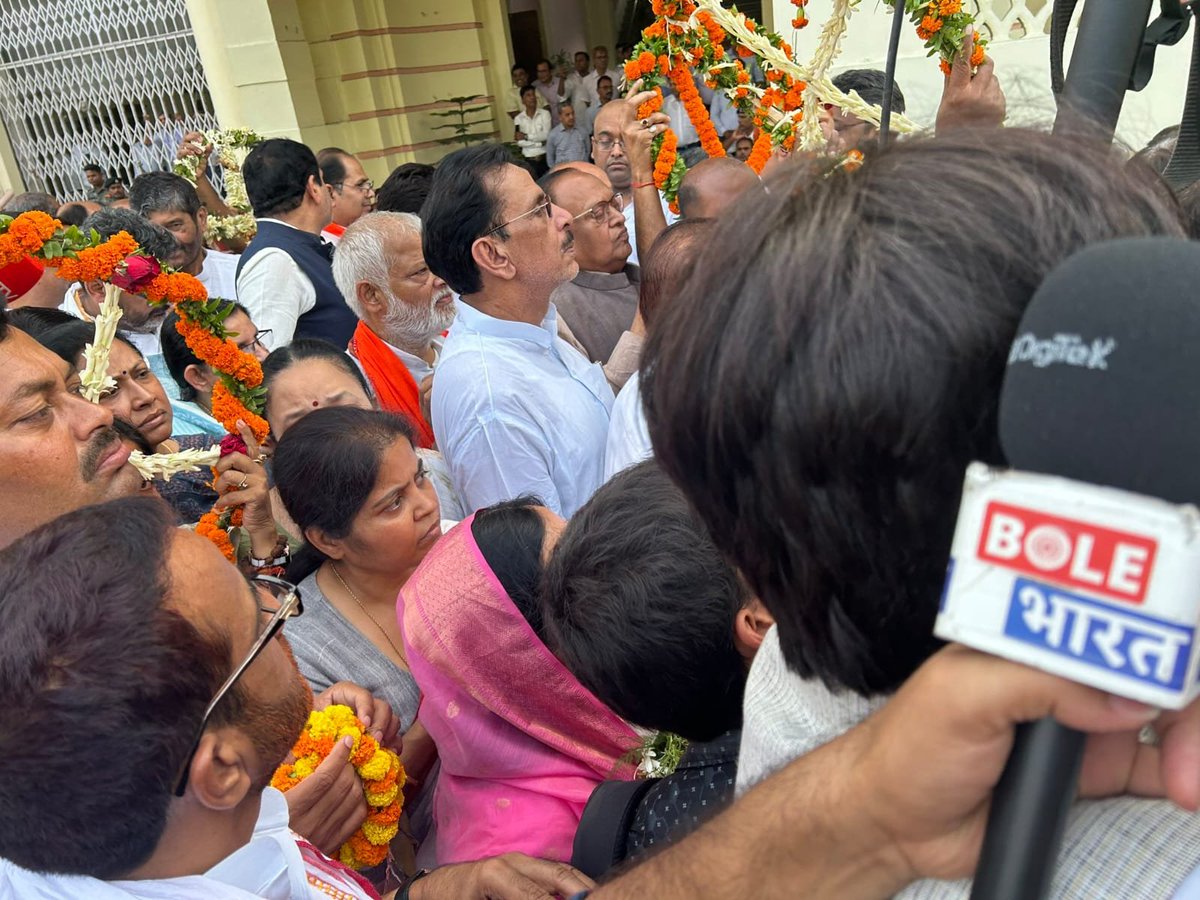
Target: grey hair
column 163, row 192
column 361, row 254
column 153, row 240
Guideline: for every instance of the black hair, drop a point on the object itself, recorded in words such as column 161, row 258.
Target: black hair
column 276, row 173
column 405, row 189
column 69, row 339
column 92, row 654
column 510, row 537
column 72, row 214
column 178, row 355
column 673, row 255
column 584, row 54
column 827, row 454
column 640, row 606
column 283, row 358
column 92, row 167
column 527, row 89
column 603, row 78
column 35, row 321
column 325, row 468
column 870, row 84
column 30, row 201
column 462, row 206
column 163, row 192
column 128, row 432
column 332, row 161
column 153, row 240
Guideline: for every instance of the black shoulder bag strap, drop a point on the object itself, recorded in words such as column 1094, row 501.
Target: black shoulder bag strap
column 604, row 827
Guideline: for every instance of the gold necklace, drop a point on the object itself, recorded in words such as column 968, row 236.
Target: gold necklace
column 338, row 575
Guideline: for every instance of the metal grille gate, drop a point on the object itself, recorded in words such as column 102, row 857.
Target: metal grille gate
column 114, row 82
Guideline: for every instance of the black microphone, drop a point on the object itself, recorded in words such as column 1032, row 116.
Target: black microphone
column 1080, row 560
column 1106, row 50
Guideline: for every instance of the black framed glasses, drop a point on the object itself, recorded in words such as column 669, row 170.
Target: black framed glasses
column 259, row 340
column 284, row 604
column 545, row 204
column 599, row 212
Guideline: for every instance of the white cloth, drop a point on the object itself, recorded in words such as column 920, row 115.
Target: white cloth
column 628, row 437
column 631, row 225
column 275, row 292
column 219, row 274
column 681, row 122
column 577, row 94
column 417, row 367
column 536, row 129
column 589, row 84
column 1121, row 847
column 722, row 112
column 270, row 866
column 517, row 410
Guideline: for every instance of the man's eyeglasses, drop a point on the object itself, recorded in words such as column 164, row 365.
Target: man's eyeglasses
column 599, row 212
column 363, row 187
column 606, row 143
column 284, row 604
column 544, row 205
column 259, row 340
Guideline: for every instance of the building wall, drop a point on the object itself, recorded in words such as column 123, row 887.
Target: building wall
column 360, row 74
column 1022, row 65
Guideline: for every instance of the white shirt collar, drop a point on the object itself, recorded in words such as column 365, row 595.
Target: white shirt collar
column 543, row 334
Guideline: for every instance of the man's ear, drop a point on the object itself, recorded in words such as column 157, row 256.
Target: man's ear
column 219, row 777
column 750, row 626
column 201, row 221
column 491, row 256
column 370, row 298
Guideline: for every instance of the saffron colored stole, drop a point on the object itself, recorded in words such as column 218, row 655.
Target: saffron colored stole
column 522, row 743
column 394, row 385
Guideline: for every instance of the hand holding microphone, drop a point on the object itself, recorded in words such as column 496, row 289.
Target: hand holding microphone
column 1081, row 562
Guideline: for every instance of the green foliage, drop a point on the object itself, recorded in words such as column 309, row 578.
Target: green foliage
column 462, row 127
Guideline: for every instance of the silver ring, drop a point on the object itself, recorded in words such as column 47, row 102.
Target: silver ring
column 242, row 486
column 1149, row 736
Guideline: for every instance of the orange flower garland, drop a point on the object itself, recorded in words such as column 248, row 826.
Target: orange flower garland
column 380, row 769
column 228, row 409
column 801, row 19
column 761, row 152
column 681, row 77
column 209, row 527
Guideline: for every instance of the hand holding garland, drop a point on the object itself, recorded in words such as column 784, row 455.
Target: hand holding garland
column 972, row 96
column 242, row 484
column 638, row 135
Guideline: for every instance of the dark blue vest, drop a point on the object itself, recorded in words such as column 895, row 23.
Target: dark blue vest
column 330, row 319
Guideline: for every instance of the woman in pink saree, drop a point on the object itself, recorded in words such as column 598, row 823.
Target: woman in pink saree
column 522, row 743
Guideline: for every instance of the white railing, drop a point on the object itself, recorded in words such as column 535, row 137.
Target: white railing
column 114, row 83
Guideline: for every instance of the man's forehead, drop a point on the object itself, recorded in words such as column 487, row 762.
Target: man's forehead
column 582, row 189
column 404, row 243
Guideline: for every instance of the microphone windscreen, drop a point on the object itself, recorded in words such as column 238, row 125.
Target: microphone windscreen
column 1103, row 379
column 19, row 278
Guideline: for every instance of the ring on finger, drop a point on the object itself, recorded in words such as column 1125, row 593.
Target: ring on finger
column 645, row 123
column 261, row 458
column 242, row 486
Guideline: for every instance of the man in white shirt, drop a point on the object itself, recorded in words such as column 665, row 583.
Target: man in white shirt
column 600, row 69
column 284, row 277
column 576, row 88
column 604, row 91
column 403, row 309
column 177, row 688
column 533, row 128
column 171, row 202
column 516, row 409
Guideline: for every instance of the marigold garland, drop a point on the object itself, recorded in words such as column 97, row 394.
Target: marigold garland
column 76, row 256
column 761, row 152
column 681, row 78
column 380, row 769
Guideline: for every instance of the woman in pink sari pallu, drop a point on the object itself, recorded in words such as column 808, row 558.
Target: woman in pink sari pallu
column 521, row 742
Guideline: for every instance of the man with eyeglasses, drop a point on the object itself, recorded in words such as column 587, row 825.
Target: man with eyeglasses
column 516, row 409
column 620, row 146
column 171, row 202
column 148, row 679
column 353, row 192
column 599, row 303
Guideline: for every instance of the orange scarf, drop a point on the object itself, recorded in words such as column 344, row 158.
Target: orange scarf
column 394, row 385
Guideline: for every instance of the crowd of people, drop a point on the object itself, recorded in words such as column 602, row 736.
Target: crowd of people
column 552, row 476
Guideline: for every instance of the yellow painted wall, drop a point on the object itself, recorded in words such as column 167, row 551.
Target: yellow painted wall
column 359, row 74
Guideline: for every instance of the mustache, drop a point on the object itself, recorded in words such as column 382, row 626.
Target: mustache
column 568, row 241
column 96, row 449
column 440, row 296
